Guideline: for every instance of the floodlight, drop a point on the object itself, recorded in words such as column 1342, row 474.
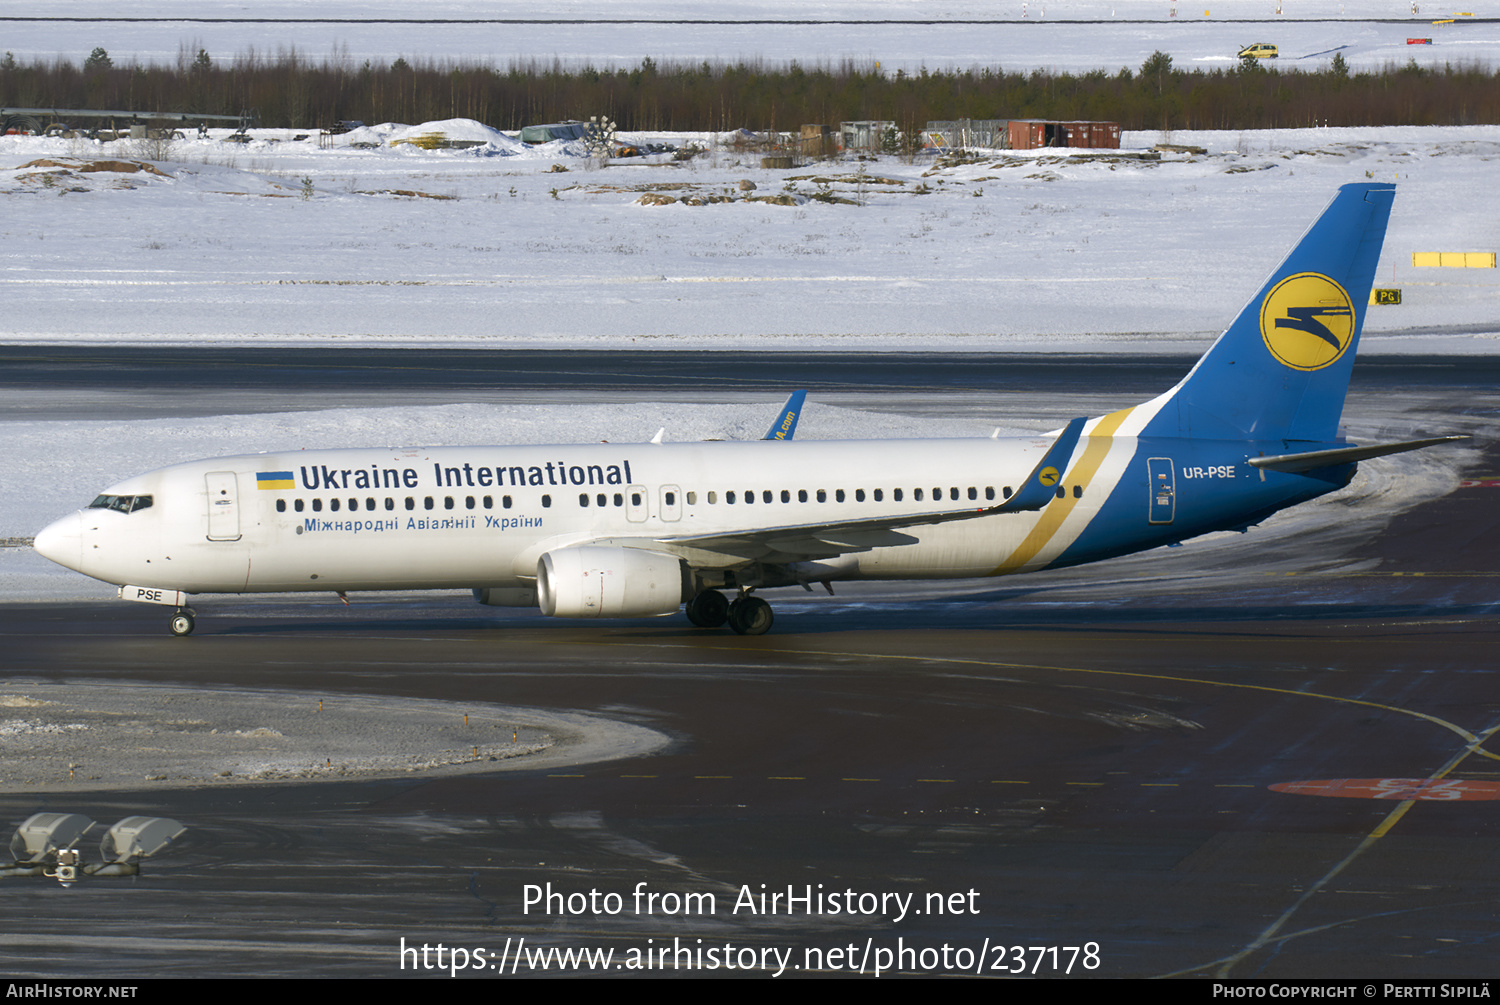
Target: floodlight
column 44, row 834
column 139, row 837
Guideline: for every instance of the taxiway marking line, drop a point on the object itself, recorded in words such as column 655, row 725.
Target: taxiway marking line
column 1272, row 931
column 1135, row 674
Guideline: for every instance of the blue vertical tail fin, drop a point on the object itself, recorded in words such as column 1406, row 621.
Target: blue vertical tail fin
column 1281, row 370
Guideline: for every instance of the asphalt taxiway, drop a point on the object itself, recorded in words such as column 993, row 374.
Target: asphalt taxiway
column 1221, row 766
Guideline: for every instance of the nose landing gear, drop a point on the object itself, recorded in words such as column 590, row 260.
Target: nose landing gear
column 182, row 621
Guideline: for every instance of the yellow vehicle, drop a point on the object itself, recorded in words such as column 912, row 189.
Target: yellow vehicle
column 1260, row 50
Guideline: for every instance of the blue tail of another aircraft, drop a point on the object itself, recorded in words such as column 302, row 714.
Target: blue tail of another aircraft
column 1281, row 370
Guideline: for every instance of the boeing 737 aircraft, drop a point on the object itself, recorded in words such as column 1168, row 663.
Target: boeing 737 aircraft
column 611, row 530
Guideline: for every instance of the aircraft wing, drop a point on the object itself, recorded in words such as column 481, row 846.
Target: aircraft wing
column 804, row 542
column 810, row 541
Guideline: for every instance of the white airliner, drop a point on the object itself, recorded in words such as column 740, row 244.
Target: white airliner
column 632, row 530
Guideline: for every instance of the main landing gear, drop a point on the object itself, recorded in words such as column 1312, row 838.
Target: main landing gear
column 182, row 621
column 709, row 609
column 747, row 615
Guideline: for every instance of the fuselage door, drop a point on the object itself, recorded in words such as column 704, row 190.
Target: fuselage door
column 636, row 503
column 671, row 503
column 223, row 506
column 1163, row 490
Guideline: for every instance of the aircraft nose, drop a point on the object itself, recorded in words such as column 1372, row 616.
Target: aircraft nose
column 62, row 541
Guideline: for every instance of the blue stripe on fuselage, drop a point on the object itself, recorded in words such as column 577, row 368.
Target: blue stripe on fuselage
column 1213, row 486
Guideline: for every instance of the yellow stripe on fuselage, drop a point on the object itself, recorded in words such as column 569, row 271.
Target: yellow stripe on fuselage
column 1099, row 441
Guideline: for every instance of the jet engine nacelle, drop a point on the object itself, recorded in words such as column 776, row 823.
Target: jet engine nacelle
column 598, row 581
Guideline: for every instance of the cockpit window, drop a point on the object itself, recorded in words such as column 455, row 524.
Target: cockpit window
column 122, row 504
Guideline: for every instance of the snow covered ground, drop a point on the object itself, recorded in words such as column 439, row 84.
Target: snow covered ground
column 280, row 241
column 1012, row 34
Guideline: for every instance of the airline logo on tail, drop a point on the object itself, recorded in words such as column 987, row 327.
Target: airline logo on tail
column 1307, row 321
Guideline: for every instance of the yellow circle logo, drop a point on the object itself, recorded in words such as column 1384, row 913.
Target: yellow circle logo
column 1307, row 321
column 1047, row 476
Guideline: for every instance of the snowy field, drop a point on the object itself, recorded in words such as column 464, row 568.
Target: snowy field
column 280, row 241
column 1073, row 36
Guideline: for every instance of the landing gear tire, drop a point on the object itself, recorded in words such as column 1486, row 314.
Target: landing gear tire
column 182, row 623
column 750, row 616
column 709, row 609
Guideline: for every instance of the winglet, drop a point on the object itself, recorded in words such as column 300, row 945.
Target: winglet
column 786, row 421
column 1040, row 487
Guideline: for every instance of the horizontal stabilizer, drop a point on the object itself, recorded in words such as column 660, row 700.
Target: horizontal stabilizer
column 1040, row 487
column 1314, row 459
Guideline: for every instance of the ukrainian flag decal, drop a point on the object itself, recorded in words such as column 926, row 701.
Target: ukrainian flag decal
column 274, row 480
column 1307, row 321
